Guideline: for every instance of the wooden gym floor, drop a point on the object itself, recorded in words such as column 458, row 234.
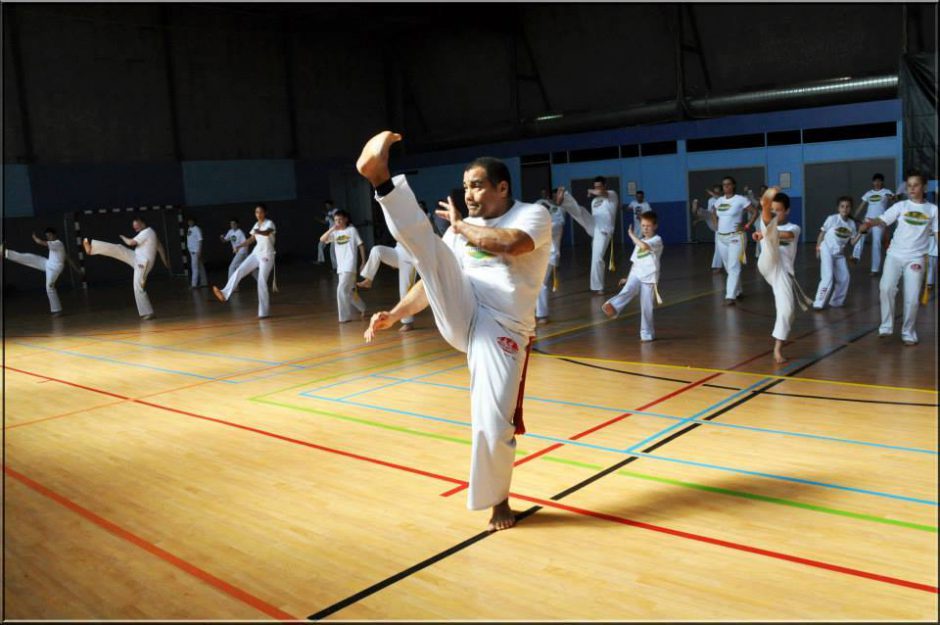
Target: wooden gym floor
column 205, row 465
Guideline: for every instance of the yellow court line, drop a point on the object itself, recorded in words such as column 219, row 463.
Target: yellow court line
column 733, row 372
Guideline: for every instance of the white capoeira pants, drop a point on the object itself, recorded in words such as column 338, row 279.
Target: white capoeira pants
column 647, row 293
column 787, row 292
column 237, row 260
column 600, row 240
column 388, row 255
column 912, row 271
column 716, row 257
column 126, row 255
column 347, row 298
column 877, row 236
column 541, row 304
column 41, row 263
column 496, row 356
column 833, row 280
column 198, row 270
column 729, row 249
column 261, row 267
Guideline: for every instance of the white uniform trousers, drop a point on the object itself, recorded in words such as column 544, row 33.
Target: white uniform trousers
column 912, row 271
column 406, row 271
column 877, row 236
column 126, row 255
column 729, row 248
column 347, row 298
column 716, row 257
column 833, row 279
column 237, row 259
column 541, row 304
column 261, row 267
column 787, row 292
column 496, row 357
column 198, row 270
column 41, row 263
column 647, row 293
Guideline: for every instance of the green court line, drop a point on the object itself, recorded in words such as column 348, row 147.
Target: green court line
column 745, row 495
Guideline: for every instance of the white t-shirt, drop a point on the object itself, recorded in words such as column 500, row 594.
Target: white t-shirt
column 604, row 210
column 787, row 248
column 838, row 232
column 639, row 208
column 264, row 245
column 56, row 253
column 146, row 249
column 877, row 202
column 730, row 212
column 557, row 214
column 646, row 262
column 194, row 239
column 917, row 224
column 235, row 236
column 346, row 242
column 507, row 286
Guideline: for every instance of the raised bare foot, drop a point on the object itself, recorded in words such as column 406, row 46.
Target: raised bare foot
column 87, row 245
column 406, row 327
column 503, row 517
column 365, row 284
column 609, row 310
column 218, row 294
column 373, row 161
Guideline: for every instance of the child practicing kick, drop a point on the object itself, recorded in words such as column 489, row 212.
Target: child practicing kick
column 398, row 258
column 837, row 231
column 346, row 241
column 779, row 242
column 51, row 266
column 643, row 277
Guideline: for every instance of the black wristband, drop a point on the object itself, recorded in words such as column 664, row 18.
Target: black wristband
column 385, row 188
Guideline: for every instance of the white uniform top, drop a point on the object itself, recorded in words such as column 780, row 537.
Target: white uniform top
column 838, row 232
column 730, row 212
column 194, row 239
column 346, row 242
column 787, row 248
column 639, row 208
column 604, row 210
column 557, row 214
column 877, row 202
column 917, row 224
column 508, row 286
column 646, row 262
column 146, row 249
column 264, row 245
column 56, row 253
column 235, row 236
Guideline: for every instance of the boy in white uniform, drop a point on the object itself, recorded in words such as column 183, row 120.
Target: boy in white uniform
column 643, row 277
column 399, row 259
column 194, row 245
column 599, row 223
column 260, row 262
column 550, row 283
column 907, row 255
column 51, row 266
column 344, row 238
column 730, row 238
column 235, row 237
column 837, row 231
column 481, row 281
column 639, row 206
column 145, row 246
column 779, row 241
column 878, row 199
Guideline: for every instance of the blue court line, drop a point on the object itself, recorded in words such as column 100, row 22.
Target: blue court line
column 400, row 381
column 362, row 377
column 642, row 413
column 195, row 353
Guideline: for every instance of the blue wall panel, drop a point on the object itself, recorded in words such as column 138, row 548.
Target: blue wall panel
column 17, row 195
column 884, row 147
column 222, row 182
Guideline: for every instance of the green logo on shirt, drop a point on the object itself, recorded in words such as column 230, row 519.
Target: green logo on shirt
column 342, row 239
column 874, row 198
column 916, row 218
column 477, row 253
column 843, row 233
column 642, row 254
column 723, row 207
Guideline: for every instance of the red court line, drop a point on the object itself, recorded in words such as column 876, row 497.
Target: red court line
column 553, row 504
column 229, row 589
column 728, row 544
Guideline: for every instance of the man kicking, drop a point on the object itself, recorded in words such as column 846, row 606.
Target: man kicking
column 481, row 281
column 599, row 222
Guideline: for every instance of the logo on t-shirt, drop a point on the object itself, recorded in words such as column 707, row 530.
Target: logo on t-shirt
column 508, row 345
column 874, row 198
column 477, row 253
column 342, row 239
column 723, row 207
column 916, row 218
column 642, row 254
column 843, row 233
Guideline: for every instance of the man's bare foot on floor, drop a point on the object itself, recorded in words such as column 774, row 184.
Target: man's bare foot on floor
column 503, row 517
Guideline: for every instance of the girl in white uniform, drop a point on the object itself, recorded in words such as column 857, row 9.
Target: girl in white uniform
column 145, row 247
column 549, row 284
column 730, row 238
column 643, row 277
column 878, row 199
column 51, row 266
column 907, row 255
column 779, row 241
column 344, row 238
column 399, row 259
column 599, row 223
column 837, row 231
column 481, row 281
column 194, row 245
column 235, row 237
column 260, row 262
